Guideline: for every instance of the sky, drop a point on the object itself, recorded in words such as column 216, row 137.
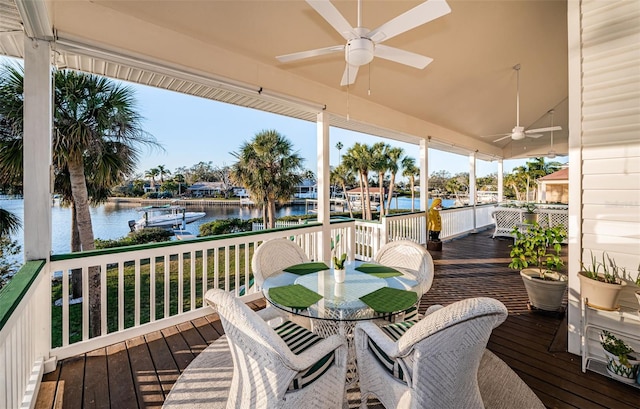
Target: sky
column 193, row 130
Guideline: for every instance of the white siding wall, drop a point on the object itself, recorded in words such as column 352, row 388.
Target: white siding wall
column 604, row 53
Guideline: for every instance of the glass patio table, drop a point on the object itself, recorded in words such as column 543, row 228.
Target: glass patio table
column 335, row 307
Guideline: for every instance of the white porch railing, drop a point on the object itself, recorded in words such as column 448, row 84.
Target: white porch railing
column 24, row 335
column 144, row 288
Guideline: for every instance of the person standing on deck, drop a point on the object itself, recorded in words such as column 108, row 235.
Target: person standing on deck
column 435, row 221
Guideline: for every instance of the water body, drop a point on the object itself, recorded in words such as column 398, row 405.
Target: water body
column 110, row 221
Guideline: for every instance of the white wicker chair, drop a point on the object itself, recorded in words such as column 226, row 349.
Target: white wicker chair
column 274, row 255
column 264, row 367
column 438, row 357
column 412, row 258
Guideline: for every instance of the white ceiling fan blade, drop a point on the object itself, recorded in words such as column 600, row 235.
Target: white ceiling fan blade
column 504, row 137
column 309, row 53
column 330, row 13
column 417, row 16
column 533, row 135
column 349, row 75
column 402, row 56
column 548, row 129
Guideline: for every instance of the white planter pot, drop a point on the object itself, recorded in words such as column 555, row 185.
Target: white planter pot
column 638, row 296
column 338, row 275
column 622, row 372
column 544, row 294
column 599, row 294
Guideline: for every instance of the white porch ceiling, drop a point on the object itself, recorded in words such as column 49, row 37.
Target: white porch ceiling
column 199, row 47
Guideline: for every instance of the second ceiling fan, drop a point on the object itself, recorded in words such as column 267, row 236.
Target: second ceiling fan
column 364, row 44
column 518, row 132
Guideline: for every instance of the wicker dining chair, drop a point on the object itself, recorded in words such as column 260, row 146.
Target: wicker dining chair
column 274, row 255
column 283, row 367
column 415, row 262
column 431, row 363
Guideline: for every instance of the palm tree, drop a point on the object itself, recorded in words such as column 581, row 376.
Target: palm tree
column 411, row 171
column 151, row 174
column 394, row 156
column 9, row 223
column 380, row 165
column 269, row 170
column 359, row 159
column 94, row 124
column 344, row 177
column 162, row 170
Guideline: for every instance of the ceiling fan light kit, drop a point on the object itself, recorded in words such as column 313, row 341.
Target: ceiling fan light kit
column 364, row 44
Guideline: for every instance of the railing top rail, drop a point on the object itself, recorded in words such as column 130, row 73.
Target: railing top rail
column 12, row 293
column 149, row 246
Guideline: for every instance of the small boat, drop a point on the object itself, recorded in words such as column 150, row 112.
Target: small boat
column 164, row 216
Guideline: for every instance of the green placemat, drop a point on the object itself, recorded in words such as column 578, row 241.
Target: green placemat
column 387, row 299
column 294, row 296
column 306, row 268
column 378, row 270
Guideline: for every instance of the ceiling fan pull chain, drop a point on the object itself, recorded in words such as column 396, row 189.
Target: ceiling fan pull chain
column 369, row 90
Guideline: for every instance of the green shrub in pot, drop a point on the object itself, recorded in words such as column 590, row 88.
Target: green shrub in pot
column 539, row 247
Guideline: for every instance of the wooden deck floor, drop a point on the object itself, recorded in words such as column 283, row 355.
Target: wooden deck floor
column 140, row 372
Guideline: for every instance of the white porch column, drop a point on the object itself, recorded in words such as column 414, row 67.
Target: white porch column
column 500, row 181
column 424, row 174
column 424, row 185
column 324, row 247
column 472, row 185
column 37, row 149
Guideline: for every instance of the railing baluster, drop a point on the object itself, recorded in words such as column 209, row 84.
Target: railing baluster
column 85, row 303
column 121, row 296
column 192, row 260
column 167, row 285
column 227, row 263
column 180, row 282
column 136, row 303
column 152, row 289
column 103, row 299
column 205, row 273
column 216, row 268
column 65, row 307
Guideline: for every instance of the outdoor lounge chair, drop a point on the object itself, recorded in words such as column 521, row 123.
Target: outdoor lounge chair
column 432, row 363
column 414, row 261
column 282, row 367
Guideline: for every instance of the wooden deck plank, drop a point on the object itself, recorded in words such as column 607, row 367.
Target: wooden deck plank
column 166, row 368
column 122, row 391
column 472, row 266
column 96, row 393
column 70, row 383
column 179, row 348
column 145, row 378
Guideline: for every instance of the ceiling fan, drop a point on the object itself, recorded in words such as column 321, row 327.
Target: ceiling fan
column 364, row 44
column 518, row 132
column 552, row 153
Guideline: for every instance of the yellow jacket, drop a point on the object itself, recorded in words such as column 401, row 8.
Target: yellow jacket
column 435, row 221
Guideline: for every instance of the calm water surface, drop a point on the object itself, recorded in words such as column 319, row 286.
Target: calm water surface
column 110, row 221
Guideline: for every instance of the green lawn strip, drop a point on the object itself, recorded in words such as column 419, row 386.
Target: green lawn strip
column 75, row 311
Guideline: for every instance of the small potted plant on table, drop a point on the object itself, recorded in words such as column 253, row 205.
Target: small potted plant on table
column 621, row 363
column 529, row 215
column 536, row 252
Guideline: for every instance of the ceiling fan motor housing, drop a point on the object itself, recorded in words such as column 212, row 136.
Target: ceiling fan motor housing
column 517, row 133
column 359, row 51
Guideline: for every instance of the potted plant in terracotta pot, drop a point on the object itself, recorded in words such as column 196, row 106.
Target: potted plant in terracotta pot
column 536, row 253
column 601, row 283
column 621, row 363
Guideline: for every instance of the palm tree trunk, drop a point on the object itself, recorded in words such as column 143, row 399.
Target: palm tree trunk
column 271, row 206
column 381, row 187
column 85, row 232
column 344, row 189
column 367, row 198
column 413, row 194
column 76, row 274
column 392, row 183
